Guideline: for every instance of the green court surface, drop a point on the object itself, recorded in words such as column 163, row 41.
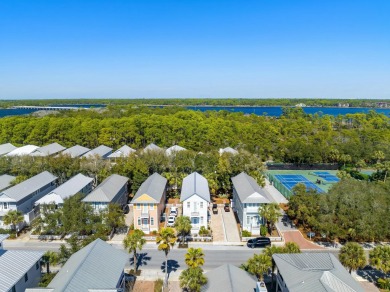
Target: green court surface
column 307, row 174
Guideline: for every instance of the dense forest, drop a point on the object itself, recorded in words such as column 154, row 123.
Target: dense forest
column 199, row 102
column 294, row 137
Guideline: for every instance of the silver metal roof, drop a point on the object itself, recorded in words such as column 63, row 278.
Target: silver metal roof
column 6, row 148
column 249, row 191
column 102, row 151
column 152, row 147
column 14, row 264
column 96, row 266
column 154, row 186
column 75, row 151
column 124, row 151
column 195, row 183
column 24, row 150
column 107, row 190
column 314, row 272
column 48, row 150
column 229, row 278
column 25, row 188
column 228, row 150
column 173, row 149
column 5, row 181
column 67, row 189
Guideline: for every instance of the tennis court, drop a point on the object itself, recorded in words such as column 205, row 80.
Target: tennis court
column 327, row 176
column 291, row 180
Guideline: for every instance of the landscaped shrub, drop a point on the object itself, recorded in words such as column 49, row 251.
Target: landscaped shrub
column 384, row 283
column 263, row 230
column 158, row 284
column 246, row 233
column 203, row 231
column 154, row 232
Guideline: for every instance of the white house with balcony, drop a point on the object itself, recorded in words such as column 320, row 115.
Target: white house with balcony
column 195, row 197
column 22, row 197
column 248, row 196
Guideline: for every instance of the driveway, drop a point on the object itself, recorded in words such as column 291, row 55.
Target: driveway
column 297, row 237
column 230, row 225
column 217, row 227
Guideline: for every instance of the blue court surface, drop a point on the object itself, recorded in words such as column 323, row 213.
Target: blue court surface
column 291, row 180
column 327, row 176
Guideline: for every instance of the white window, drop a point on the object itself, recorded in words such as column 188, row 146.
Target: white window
column 138, row 206
column 201, row 205
column 248, row 220
column 188, row 204
column 139, row 221
column 201, row 220
column 5, row 206
column 151, row 221
column 152, row 207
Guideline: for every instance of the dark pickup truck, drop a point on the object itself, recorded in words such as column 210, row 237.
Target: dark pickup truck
column 215, row 209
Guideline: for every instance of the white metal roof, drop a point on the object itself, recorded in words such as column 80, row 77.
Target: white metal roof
column 14, row 264
column 228, row 150
column 75, row 151
column 48, row 150
column 5, row 181
column 24, row 150
column 107, row 190
column 195, row 183
column 66, row 190
column 6, row 148
column 152, row 147
column 25, row 188
column 124, row 151
column 173, row 149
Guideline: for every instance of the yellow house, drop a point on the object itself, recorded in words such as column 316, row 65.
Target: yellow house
column 149, row 203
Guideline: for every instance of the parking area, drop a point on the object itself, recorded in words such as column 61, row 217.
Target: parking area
column 230, row 224
column 217, row 227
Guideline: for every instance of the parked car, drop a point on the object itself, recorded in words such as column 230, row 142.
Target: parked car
column 215, row 209
column 258, row 242
column 173, row 211
column 171, row 221
column 227, row 207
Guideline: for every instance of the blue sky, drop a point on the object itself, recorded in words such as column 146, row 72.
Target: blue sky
column 221, row 49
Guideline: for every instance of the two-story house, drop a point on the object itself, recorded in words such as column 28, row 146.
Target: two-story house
column 78, row 184
column 48, row 150
column 112, row 190
column 195, row 197
column 19, row 269
column 248, row 196
column 23, row 196
column 149, row 203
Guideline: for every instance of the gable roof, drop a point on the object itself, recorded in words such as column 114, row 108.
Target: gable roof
column 107, row 190
column 249, row 191
column 195, row 183
column 66, row 190
column 102, row 151
column 152, row 147
column 14, row 264
column 173, row 149
column 24, row 150
column 6, row 148
column 228, row 150
column 124, row 151
column 153, row 186
column 314, row 272
column 5, row 181
column 3, row 237
column 97, row 266
column 75, row 151
column 229, row 278
column 25, row 188
column 48, row 150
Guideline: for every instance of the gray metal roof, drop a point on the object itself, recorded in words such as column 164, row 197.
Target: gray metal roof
column 5, row 181
column 6, row 148
column 48, row 150
column 173, row 149
column 320, row 272
column 14, row 264
column 102, row 151
column 229, row 278
column 96, row 266
column 124, row 151
column 69, row 188
column 3, row 237
column 75, row 151
column 195, row 183
column 107, row 190
column 25, row 188
column 249, row 191
column 153, row 186
column 152, row 147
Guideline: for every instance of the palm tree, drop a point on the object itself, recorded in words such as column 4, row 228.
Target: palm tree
column 183, row 226
column 50, row 257
column 271, row 213
column 291, row 247
column 352, row 256
column 380, row 258
column 166, row 240
column 258, row 265
column 192, row 279
column 13, row 218
column 134, row 241
column 194, row 257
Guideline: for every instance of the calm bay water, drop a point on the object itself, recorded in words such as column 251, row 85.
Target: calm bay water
column 269, row 111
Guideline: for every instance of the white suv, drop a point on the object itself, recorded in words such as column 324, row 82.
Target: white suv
column 173, row 212
column 171, row 221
